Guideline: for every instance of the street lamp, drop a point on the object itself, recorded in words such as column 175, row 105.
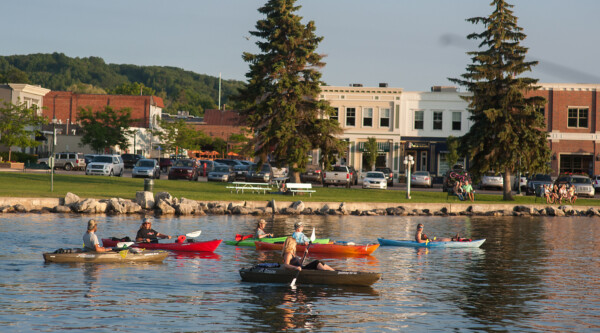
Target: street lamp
column 52, row 154
column 408, row 162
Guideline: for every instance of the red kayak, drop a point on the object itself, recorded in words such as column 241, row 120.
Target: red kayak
column 331, row 248
column 207, row 246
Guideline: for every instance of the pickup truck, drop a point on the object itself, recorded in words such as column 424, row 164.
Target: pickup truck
column 339, row 175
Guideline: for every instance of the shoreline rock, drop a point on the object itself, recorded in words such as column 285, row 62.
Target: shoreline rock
column 164, row 204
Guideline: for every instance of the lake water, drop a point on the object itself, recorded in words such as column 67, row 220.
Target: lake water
column 532, row 274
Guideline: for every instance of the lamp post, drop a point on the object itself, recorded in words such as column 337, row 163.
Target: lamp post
column 408, row 162
column 52, row 154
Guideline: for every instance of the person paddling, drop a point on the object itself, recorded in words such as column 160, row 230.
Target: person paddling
column 298, row 235
column 293, row 262
column 148, row 235
column 420, row 237
column 90, row 240
column 260, row 230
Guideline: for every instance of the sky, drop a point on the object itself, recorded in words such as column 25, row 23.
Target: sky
column 409, row 44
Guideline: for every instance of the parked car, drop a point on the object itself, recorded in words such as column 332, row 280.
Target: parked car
column 229, row 161
column 341, row 175
column 421, row 178
column 147, row 168
column 222, row 173
column 241, row 170
column 354, row 175
column 88, row 158
column 66, row 160
column 375, row 179
column 389, row 175
column 522, row 181
column 264, row 175
column 583, row 184
column 279, row 172
column 106, row 165
column 457, row 173
column 596, row 182
column 166, row 163
column 536, row 182
column 184, row 169
column 491, row 180
column 312, row 174
column 130, row 159
column 210, row 165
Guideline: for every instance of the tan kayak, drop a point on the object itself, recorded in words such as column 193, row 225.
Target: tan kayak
column 107, row 257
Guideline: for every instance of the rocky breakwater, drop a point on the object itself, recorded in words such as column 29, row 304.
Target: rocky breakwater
column 163, row 203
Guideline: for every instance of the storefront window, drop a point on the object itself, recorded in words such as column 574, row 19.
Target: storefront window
column 443, row 164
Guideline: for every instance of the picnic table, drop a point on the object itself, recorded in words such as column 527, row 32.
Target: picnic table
column 254, row 187
column 277, row 181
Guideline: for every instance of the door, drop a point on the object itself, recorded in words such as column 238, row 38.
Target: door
column 423, row 165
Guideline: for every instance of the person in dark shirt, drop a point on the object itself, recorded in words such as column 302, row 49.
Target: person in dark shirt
column 148, row 235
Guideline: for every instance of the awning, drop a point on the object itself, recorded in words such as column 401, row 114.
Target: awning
column 381, row 147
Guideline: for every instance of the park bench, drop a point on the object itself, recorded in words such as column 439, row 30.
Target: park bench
column 299, row 188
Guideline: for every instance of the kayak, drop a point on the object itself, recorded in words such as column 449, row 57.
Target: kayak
column 331, row 248
column 207, row 246
column 106, row 257
column 250, row 241
column 412, row 243
column 274, row 273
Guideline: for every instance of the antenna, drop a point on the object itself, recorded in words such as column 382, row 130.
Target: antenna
column 219, row 90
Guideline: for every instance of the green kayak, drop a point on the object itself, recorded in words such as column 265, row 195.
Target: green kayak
column 250, row 241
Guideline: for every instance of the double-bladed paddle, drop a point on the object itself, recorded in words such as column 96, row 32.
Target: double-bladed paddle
column 312, row 239
column 193, row 234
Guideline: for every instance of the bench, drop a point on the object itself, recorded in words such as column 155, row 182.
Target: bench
column 254, row 187
column 299, row 188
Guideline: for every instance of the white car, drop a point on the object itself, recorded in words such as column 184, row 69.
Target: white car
column 106, row 165
column 375, row 179
column 147, row 168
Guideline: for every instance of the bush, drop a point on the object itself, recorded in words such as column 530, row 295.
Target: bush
column 19, row 157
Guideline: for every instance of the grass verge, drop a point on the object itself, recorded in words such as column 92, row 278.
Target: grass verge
column 17, row 184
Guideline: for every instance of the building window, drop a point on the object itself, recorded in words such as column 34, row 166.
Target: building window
column 384, row 117
column 578, row 117
column 437, row 120
column 334, row 115
column 419, row 116
column 443, row 163
column 456, row 121
column 368, row 117
column 350, row 117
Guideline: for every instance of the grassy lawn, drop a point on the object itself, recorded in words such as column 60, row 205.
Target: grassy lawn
column 17, row 184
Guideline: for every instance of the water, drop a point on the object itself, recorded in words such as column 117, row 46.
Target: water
column 532, row 274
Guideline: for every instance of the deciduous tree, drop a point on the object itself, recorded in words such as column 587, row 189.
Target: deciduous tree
column 507, row 126
column 105, row 128
column 18, row 126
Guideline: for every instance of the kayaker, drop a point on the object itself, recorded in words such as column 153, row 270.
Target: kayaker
column 147, row 235
column 293, row 262
column 90, row 240
column 260, row 230
column 298, row 235
column 420, row 237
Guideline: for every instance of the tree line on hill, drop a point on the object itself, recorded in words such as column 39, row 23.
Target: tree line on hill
column 180, row 89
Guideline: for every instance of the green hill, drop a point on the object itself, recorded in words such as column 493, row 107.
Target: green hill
column 180, row 89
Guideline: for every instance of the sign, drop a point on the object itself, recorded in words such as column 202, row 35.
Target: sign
column 51, row 162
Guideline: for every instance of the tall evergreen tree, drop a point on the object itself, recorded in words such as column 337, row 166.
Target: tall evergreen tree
column 508, row 128
column 280, row 101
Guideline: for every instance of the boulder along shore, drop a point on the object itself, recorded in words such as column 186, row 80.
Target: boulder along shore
column 162, row 203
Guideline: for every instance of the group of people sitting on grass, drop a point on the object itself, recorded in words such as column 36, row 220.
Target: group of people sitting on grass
column 554, row 194
column 464, row 190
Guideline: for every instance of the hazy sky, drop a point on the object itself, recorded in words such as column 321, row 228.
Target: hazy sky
column 410, row 44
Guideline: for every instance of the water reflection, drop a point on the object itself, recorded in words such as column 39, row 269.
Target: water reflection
column 279, row 307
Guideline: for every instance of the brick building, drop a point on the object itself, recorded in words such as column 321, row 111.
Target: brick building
column 573, row 126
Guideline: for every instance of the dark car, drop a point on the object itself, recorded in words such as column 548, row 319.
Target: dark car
column 241, row 170
column 312, row 174
column 263, row 175
column 536, row 182
column 165, row 163
column 389, row 175
column 229, row 161
column 130, row 159
column 184, row 169
column 457, row 173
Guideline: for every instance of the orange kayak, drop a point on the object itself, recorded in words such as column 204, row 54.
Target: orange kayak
column 331, row 248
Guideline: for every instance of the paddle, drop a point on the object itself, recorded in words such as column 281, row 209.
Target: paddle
column 312, row 239
column 240, row 238
column 193, row 234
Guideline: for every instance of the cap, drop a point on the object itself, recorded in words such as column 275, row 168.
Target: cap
column 262, row 221
column 298, row 225
column 146, row 220
column 419, row 226
column 92, row 224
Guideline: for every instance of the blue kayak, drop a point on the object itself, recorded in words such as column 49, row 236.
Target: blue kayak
column 412, row 243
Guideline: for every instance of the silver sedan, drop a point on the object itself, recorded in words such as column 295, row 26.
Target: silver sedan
column 375, row 179
column 421, row 178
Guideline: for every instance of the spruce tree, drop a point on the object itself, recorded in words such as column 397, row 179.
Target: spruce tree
column 508, row 128
column 281, row 100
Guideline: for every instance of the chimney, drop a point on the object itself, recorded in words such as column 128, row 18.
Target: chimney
column 356, row 85
column 383, row 85
column 444, row 89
